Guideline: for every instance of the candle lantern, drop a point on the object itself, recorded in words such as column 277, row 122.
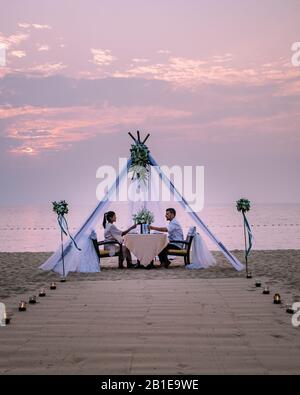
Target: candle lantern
column 22, row 306
column 63, row 279
column 53, row 286
column 258, row 284
column 42, row 293
column 277, row 299
column 289, row 309
column 32, row 299
column 266, row 291
column 6, row 318
column 249, row 275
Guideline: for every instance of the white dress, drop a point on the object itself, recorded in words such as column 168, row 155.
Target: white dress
column 112, row 233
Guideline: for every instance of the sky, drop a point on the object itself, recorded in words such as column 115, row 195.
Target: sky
column 212, row 81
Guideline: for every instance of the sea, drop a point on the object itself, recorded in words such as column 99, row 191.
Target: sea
column 273, row 226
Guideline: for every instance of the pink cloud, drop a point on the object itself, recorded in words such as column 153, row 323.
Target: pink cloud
column 45, row 69
column 36, row 130
column 24, row 25
column 40, row 27
column 140, row 60
column 18, row 54
column 43, row 47
column 223, row 58
column 163, row 52
column 37, row 26
column 13, row 40
column 102, row 57
column 192, row 73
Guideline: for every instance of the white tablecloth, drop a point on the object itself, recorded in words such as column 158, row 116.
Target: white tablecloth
column 146, row 247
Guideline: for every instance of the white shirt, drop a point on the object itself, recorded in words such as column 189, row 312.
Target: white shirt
column 112, row 233
column 175, row 232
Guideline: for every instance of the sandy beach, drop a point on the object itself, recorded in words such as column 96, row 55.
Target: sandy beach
column 160, row 321
column 20, row 273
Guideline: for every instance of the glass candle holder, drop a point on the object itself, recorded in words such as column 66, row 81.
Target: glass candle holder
column 22, row 306
column 32, row 299
column 249, row 275
column 289, row 309
column 53, row 286
column 7, row 319
column 258, row 283
column 266, row 290
column 42, row 293
column 277, row 299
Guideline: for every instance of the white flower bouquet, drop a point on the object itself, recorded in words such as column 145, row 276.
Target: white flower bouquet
column 143, row 216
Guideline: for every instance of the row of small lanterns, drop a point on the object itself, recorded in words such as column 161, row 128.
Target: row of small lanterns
column 42, row 293
column 276, row 298
column 32, row 300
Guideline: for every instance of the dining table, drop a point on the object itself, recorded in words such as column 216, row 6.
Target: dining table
column 145, row 247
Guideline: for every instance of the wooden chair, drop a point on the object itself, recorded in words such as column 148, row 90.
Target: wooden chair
column 103, row 253
column 185, row 252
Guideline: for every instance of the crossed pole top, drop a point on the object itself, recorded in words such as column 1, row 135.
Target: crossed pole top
column 137, row 139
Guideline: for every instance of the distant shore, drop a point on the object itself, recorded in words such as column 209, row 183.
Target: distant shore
column 20, row 273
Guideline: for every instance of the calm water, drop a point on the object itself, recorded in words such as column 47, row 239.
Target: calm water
column 35, row 228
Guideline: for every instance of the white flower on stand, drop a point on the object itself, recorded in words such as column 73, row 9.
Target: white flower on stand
column 143, row 216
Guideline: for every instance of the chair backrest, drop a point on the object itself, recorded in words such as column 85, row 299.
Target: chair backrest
column 94, row 239
column 95, row 244
column 192, row 231
column 190, row 235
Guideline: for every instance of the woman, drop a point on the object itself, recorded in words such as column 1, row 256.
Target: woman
column 112, row 233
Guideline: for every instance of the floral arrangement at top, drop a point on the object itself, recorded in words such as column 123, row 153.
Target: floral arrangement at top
column 61, row 207
column 139, row 161
column 243, row 205
column 143, row 216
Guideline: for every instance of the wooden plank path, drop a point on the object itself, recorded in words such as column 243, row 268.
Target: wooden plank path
column 167, row 326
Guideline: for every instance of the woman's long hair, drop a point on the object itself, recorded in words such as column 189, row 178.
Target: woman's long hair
column 107, row 218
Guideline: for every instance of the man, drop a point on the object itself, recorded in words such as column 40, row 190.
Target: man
column 175, row 232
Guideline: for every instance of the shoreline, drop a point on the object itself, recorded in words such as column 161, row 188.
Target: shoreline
column 20, row 273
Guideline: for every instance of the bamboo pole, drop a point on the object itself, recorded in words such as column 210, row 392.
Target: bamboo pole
column 133, row 138
column 148, row 135
column 246, row 257
column 62, row 256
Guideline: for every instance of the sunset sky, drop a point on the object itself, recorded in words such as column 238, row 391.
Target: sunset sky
column 211, row 80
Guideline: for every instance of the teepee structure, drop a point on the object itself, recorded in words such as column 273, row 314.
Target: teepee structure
column 86, row 259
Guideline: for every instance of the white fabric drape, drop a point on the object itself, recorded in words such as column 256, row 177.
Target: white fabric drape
column 201, row 257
